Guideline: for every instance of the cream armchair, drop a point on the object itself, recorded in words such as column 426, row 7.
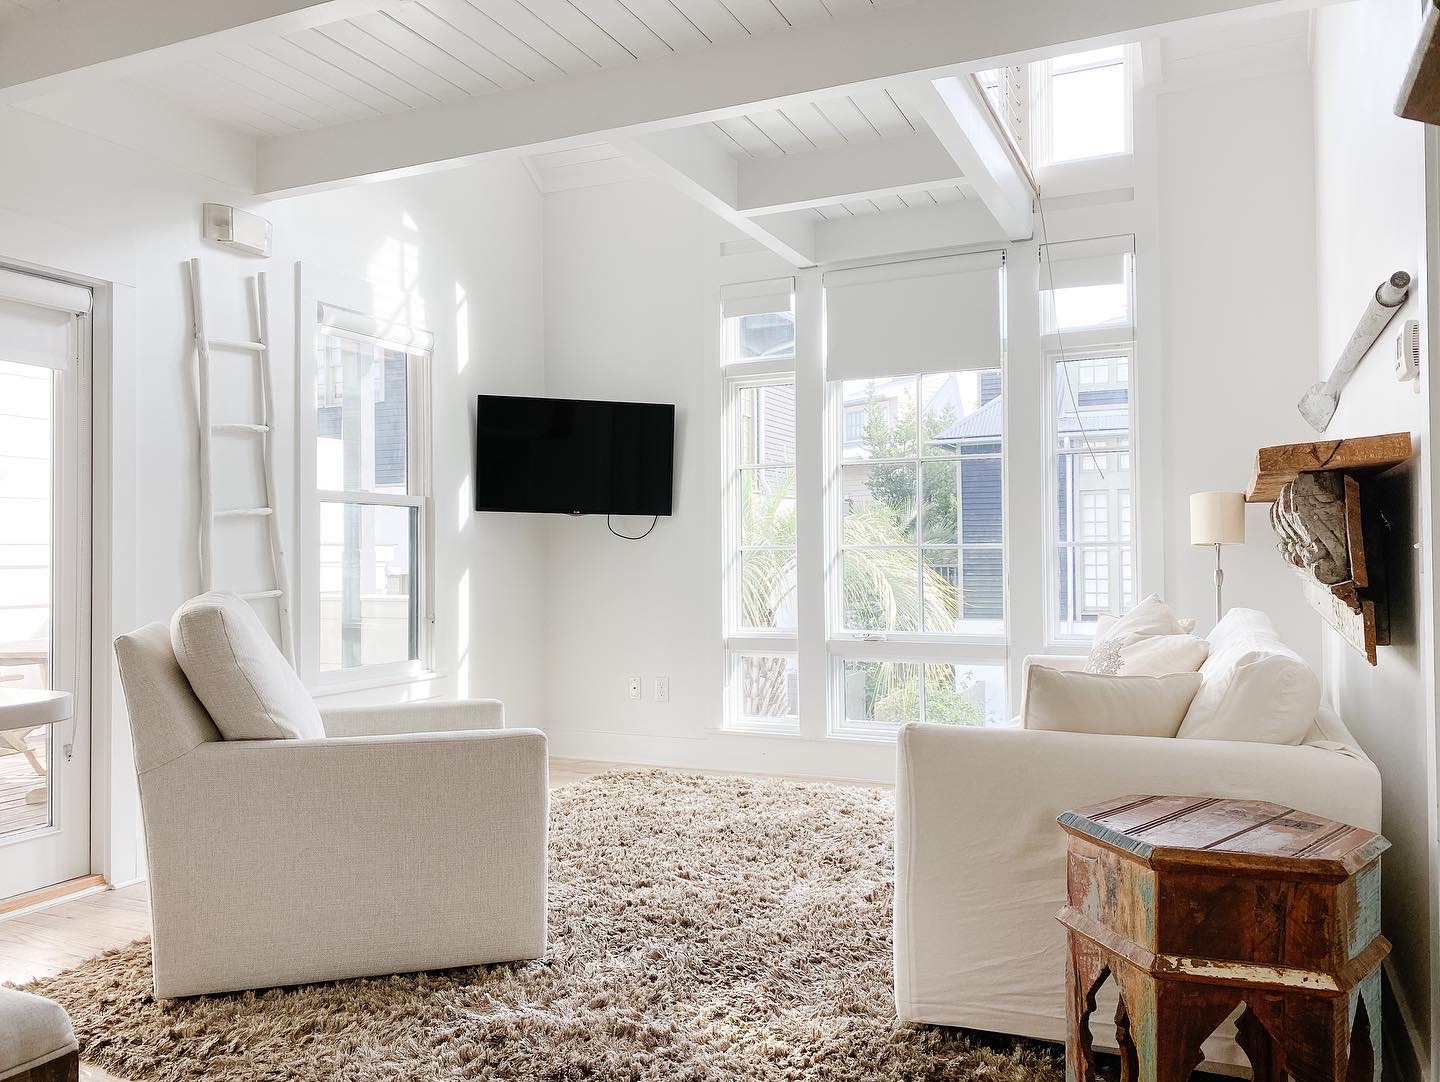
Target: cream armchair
column 411, row 837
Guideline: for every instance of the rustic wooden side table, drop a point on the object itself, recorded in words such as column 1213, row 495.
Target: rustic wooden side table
column 1198, row 905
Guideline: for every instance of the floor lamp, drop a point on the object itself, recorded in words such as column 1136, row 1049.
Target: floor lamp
column 1217, row 518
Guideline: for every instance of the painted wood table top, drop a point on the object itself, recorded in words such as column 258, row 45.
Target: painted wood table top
column 1199, row 905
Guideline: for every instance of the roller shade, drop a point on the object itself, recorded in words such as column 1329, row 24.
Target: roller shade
column 921, row 315
column 1075, row 264
column 757, row 298
column 40, row 320
column 387, row 332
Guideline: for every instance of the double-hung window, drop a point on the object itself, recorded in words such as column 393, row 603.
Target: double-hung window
column 761, row 567
column 369, row 601
column 917, row 602
column 1086, row 315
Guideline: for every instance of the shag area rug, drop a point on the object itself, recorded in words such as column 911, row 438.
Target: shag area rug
column 701, row 929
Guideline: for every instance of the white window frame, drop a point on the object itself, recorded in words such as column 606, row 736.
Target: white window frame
column 326, row 298
column 62, row 848
column 903, row 647
column 1052, row 359
column 741, row 642
column 1041, row 96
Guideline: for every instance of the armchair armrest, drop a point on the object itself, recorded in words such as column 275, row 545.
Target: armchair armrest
column 429, row 716
column 414, row 852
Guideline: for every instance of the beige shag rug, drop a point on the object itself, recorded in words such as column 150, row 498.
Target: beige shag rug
column 701, row 929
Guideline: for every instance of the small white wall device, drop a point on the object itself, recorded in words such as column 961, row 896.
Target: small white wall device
column 237, row 229
column 1407, row 354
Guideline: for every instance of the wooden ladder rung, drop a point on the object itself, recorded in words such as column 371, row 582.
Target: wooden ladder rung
column 239, row 429
column 243, row 512
column 236, row 344
column 257, row 595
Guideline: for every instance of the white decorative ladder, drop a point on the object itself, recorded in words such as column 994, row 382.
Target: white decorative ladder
column 258, row 351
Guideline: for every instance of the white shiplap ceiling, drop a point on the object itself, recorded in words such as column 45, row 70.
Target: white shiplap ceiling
column 886, row 204
column 418, row 53
column 815, row 125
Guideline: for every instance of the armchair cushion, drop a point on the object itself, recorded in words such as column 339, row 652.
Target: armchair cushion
column 235, row 669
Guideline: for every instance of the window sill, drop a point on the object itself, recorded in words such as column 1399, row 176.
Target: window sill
column 330, row 689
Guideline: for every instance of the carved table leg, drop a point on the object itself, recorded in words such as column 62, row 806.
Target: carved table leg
column 1085, row 972
column 1168, row 1022
column 1129, row 1063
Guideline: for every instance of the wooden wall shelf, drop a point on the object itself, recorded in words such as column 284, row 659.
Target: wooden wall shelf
column 1276, row 466
column 1356, row 607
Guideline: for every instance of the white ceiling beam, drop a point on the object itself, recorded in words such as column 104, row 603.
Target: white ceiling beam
column 820, row 178
column 926, row 37
column 957, row 112
column 693, row 161
column 920, row 229
column 83, row 41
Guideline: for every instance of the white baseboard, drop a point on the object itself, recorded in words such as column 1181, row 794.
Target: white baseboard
column 746, row 753
column 1404, row 1047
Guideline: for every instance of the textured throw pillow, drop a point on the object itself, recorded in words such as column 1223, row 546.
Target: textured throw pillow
column 1150, row 617
column 1253, row 687
column 1147, row 655
column 1078, row 702
column 236, row 670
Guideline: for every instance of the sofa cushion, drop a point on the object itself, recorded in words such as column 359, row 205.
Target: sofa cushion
column 1150, row 617
column 1253, row 687
column 33, row 1031
column 1147, row 655
column 237, row 671
column 1079, row 702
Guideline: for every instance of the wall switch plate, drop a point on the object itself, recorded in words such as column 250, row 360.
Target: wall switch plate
column 662, row 689
column 634, row 689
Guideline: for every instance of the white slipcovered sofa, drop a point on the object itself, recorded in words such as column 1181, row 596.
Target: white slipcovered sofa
column 402, row 838
column 980, row 861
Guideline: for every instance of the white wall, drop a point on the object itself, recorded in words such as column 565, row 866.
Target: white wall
column 1235, row 185
column 1370, row 221
column 468, row 256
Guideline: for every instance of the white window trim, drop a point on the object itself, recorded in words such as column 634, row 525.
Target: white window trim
column 317, row 290
column 72, row 802
column 1052, row 358
column 1041, row 142
column 741, row 641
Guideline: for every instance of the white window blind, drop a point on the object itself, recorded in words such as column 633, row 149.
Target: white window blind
column 1080, row 263
column 40, row 320
column 918, row 316
column 757, row 298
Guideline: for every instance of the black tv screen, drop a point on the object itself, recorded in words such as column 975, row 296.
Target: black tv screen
column 571, row 457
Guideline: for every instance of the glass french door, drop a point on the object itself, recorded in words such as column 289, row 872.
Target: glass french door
column 44, row 578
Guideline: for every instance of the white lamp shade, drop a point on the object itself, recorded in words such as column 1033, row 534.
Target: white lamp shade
column 1217, row 518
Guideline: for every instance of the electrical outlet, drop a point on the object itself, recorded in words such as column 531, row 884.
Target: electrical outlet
column 634, row 689
column 662, row 689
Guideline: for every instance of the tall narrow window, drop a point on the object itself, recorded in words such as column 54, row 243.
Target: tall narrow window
column 1082, row 105
column 370, row 477
column 761, row 572
column 917, row 610
column 1086, row 316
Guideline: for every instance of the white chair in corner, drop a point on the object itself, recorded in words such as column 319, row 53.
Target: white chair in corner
column 359, row 842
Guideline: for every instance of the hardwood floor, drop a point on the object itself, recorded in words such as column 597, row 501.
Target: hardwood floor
column 48, row 940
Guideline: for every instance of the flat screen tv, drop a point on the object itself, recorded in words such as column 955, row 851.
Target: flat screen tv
column 569, row 457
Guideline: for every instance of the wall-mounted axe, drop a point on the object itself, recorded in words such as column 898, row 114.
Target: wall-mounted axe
column 1318, row 404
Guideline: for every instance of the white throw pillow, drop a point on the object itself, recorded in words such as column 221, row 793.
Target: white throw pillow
column 1150, row 617
column 1147, row 655
column 1078, row 702
column 1253, row 687
column 236, row 670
